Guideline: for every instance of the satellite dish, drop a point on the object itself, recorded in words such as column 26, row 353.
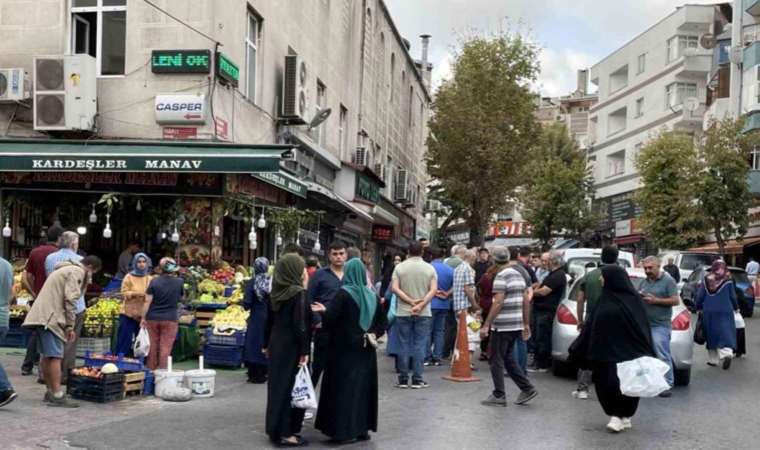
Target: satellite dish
column 320, row 117
column 691, row 104
column 708, row 41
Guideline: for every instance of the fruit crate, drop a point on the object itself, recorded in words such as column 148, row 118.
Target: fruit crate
column 223, row 355
column 107, row 388
column 92, row 345
column 203, row 319
column 236, row 339
column 134, row 383
column 16, row 338
column 124, row 364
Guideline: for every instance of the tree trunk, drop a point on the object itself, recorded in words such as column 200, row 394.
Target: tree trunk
column 721, row 242
column 477, row 229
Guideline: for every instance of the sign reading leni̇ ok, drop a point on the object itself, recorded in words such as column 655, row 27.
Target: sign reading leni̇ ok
column 180, row 109
column 227, row 70
column 181, row 61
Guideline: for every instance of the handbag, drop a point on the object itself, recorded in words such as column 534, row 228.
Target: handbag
column 392, row 310
column 699, row 331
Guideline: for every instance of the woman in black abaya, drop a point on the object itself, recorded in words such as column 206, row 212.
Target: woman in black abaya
column 349, row 399
column 288, row 342
column 619, row 331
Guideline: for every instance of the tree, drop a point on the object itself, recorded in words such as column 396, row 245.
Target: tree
column 723, row 192
column 668, row 167
column 556, row 197
column 481, row 126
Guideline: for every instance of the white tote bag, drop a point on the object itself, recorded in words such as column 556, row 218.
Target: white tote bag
column 303, row 395
column 643, row 377
column 142, row 344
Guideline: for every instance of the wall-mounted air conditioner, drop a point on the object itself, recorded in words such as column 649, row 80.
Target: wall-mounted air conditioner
column 294, row 94
column 13, row 85
column 65, row 92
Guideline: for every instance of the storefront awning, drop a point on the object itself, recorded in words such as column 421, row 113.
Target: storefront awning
column 512, row 242
column 733, row 247
column 31, row 155
column 630, row 239
column 284, row 181
column 314, row 187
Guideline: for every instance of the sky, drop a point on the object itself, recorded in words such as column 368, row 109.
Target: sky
column 573, row 34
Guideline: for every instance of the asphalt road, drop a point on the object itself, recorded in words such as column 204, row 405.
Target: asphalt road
column 719, row 410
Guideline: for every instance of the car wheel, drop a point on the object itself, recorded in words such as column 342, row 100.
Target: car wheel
column 682, row 377
column 564, row 369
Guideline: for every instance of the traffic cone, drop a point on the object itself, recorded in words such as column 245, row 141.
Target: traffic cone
column 460, row 369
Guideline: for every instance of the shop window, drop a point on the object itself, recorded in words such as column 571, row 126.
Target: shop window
column 99, row 28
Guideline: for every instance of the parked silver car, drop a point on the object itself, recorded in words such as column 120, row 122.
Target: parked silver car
column 565, row 331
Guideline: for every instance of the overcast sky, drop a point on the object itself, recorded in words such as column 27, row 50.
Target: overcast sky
column 574, row 34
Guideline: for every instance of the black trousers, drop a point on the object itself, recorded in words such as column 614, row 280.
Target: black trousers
column 32, row 357
column 449, row 334
column 543, row 335
column 607, row 384
column 319, row 359
column 502, row 357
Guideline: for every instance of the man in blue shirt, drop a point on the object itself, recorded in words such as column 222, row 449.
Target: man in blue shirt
column 323, row 287
column 441, row 306
column 68, row 245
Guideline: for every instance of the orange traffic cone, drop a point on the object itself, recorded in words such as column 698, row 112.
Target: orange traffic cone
column 460, row 369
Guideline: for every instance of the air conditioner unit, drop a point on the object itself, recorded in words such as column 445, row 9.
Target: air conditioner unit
column 380, row 171
column 360, row 156
column 13, row 85
column 65, row 92
column 294, row 99
column 401, row 193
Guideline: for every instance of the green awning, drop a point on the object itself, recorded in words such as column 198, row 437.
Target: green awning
column 284, row 181
column 138, row 156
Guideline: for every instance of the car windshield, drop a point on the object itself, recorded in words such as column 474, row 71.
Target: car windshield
column 576, row 267
column 692, row 261
column 635, row 280
column 740, row 277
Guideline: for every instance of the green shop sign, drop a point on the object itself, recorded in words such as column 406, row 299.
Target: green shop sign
column 366, row 189
column 181, row 61
column 283, row 181
column 227, row 70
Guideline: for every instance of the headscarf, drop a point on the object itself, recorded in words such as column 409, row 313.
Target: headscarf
column 148, row 265
column 261, row 283
column 168, row 265
column 286, row 281
column 355, row 283
column 718, row 276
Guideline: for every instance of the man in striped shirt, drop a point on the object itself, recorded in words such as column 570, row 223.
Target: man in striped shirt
column 508, row 321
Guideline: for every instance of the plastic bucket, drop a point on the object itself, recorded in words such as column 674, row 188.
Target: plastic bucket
column 201, row 381
column 167, row 379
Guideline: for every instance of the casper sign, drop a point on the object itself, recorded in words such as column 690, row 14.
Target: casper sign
column 181, row 109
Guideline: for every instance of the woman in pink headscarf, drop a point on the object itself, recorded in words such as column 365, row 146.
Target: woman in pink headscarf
column 716, row 299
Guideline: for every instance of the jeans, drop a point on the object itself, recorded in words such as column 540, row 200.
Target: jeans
column 435, row 351
column 521, row 354
column 128, row 329
column 502, row 344
column 449, row 334
column 661, row 341
column 4, row 383
column 414, row 332
column 162, row 334
column 70, row 349
column 544, row 323
column 32, row 357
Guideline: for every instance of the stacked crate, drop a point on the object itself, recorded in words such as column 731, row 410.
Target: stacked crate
column 224, row 351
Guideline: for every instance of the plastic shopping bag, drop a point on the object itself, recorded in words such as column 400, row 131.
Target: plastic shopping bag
column 142, row 344
column 303, row 395
column 738, row 320
column 392, row 310
column 643, row 377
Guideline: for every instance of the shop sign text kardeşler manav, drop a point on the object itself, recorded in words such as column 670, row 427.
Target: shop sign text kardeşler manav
column 199, row 164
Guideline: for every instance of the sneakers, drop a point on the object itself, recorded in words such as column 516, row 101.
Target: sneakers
column 402, row 383
column 526, row 396
column 7, row 396
column 616, row 425
column 432, row 362
column 627, row 423
column 308, row 415
column 493, row 400
column 580, row 395
column 536, row 369
column 727, row 363
column 666, row 394
column 419, row 385
column 62, row 402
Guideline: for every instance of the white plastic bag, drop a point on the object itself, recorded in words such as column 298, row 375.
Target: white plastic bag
column 303, row 395
column 142, row 344
column 738, row 320
column 643, row 377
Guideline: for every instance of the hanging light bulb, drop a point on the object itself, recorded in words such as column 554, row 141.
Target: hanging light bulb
column 278, row 239
column 81, row 230
column 138, row 207
column 175, row 235
column 217, row 231
column 163, row 236
column 107, row 233
column 253, row 245
column 317, row 245
column 252, row 234
column 93, row 215
column 262, row 222
column 7, row 230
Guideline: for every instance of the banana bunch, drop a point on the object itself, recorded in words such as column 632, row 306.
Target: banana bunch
column 209, row 286
column 98, row 319
column 237, row 296
column 233, row 316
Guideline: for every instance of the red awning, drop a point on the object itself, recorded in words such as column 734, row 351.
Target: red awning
column 631, row 239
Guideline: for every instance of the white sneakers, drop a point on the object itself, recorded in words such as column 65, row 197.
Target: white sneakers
column 627, row 423
column 617, row 424
column 580, row 395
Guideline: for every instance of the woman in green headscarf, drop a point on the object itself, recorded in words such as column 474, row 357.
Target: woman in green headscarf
column 287, row 344
column 348, row 402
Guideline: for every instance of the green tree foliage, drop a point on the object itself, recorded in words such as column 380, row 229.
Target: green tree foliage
column 668, row 168
column 482, row 125
column 556, row 196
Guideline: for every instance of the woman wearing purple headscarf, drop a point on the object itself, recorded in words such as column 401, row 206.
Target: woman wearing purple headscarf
column 716, row 299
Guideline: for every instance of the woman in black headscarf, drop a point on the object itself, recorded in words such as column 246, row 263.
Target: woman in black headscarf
column 287, row 343
column 619, row 331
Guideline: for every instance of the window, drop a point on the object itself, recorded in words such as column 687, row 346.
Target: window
column 99, row 28
column 642, row 64
column 252, row 37
column 342, row 123
column 676, row 93
column 392, row 80
column 617, row 121
column 640, row 107
column 755, row 158
column 319, row 106
column 619, row 79
column 616, row 164
column 677, row 46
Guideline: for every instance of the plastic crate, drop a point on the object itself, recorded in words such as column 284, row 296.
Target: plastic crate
column 150, row 380
column 16, row 338
column 128, row 365
column 223, row 355
column 107, row 388
column 236, row 339
column 92, row 345
column 209, row 306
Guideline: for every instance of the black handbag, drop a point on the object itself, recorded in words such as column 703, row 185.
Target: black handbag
column 699, row 331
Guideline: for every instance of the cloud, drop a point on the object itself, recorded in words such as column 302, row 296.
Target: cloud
column 559, row 70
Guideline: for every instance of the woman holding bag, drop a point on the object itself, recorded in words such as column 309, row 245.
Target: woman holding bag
column 133, row 290
column 256, row 300
column 287, row 343
column 716, row 298
column 349, row 399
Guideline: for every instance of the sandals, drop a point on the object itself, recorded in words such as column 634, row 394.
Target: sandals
column 300, row 442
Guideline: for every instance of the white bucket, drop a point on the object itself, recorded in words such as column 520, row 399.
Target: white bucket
column 166, row 379
column 201, row 381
